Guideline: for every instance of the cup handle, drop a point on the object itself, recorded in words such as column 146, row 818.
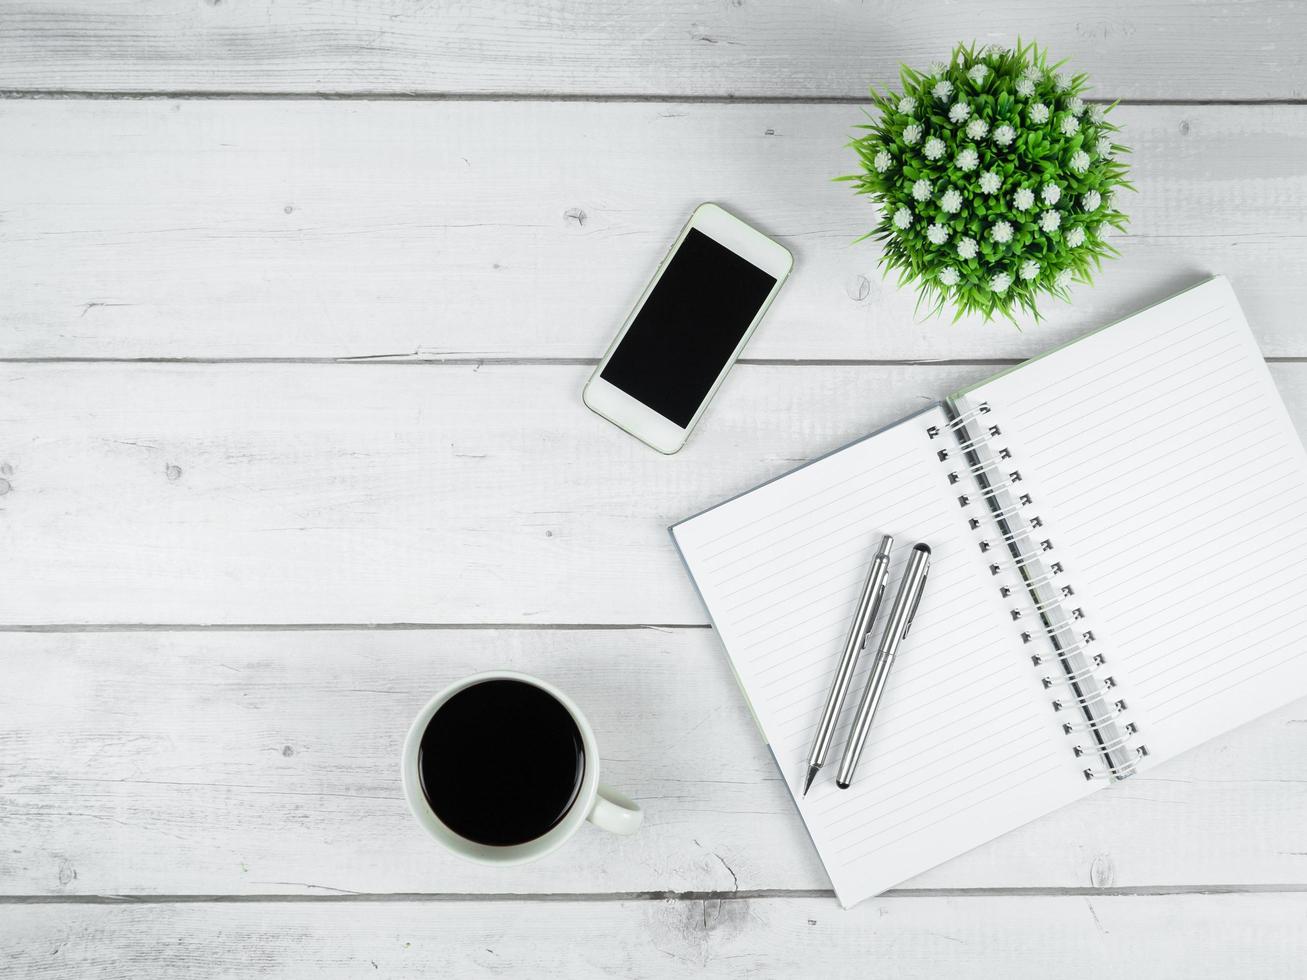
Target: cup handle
column 614, row 812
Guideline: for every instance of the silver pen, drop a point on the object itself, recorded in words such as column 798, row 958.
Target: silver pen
column 863, row 618
column 896, row 628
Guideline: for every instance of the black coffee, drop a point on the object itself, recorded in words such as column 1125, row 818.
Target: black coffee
column 501, row 762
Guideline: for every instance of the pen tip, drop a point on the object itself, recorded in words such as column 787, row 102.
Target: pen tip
column 807, row 783
column 842, row 785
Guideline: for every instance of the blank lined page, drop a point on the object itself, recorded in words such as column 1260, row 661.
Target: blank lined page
column 1177, row 489
column 963, row 747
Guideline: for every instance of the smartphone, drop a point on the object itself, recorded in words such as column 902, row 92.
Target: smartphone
column 688, row 328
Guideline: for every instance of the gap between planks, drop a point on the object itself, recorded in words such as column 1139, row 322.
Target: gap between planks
column 650, row 896
column 411, row 360
column 420, row 359
column 643, row 98
column 417, row 359
column 320, row 627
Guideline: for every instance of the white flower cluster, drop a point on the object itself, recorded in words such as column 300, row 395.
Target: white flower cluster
column 1064, row 112
column 960, row 113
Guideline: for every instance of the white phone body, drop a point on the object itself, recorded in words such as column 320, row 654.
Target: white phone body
column 632, row 414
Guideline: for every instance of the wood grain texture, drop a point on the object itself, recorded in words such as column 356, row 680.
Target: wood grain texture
column 1247, row 50
column 1191, row 937
column 266, row 763
column 346, row 493
column 228, row 229
column 261, row 764
column 273, row 493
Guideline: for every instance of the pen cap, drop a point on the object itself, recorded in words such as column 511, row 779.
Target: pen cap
column 905, row 603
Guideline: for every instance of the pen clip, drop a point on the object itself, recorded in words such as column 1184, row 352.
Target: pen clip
column 916, row 599
column 875, row 605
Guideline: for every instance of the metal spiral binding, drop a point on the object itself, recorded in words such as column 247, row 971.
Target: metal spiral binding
column 1086, row 689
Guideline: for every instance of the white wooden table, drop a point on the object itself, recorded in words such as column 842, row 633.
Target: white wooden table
column 296, row 300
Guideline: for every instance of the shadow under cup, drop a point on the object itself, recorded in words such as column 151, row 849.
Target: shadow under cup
column 502, row 763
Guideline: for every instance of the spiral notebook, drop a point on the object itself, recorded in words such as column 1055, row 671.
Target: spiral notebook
column 1119, row 537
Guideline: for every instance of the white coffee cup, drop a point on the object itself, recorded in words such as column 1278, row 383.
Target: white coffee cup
column 597, row 803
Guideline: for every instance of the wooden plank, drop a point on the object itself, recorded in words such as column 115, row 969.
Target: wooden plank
column 265, row 762
column 1181, row 49
column 274, row 493
column 1224, row 936
column 226, row 229
column 346, row 493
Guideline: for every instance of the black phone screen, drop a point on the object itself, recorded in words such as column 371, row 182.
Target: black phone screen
column 688, row 327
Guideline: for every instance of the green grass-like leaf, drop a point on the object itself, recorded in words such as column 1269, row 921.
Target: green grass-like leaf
column 1069, row 146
